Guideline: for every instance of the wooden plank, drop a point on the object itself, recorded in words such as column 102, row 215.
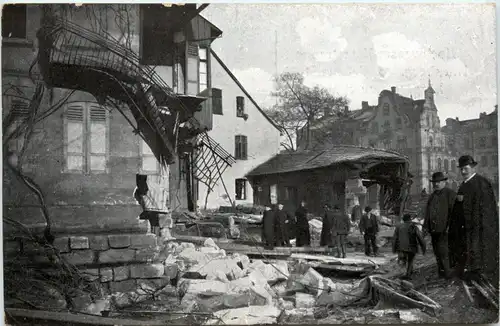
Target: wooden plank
column 358, row 259
column 81, row 319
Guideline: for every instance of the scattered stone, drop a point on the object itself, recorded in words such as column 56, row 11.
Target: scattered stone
column 271, row 272
column 121, row 300
column 299, row 312
column 119, row 241
column 81, row 302
column 167, row 292
column 252, row 315
column 191, row 256
column 184, row 245
column 91, row 274
column 202, row 286
column 304, row 300
column 150, row 255
column 312, row 280
column 123, row 286
column 171, row 269
column 210, row 243
column 212, row 268
column 99, row 305
column 79, row 242
column 243, row 259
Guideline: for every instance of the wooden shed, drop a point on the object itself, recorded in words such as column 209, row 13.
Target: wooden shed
column 321, row 176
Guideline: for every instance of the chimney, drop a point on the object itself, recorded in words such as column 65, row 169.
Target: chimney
column 364, row 104
column 457, row 119
column 393, row 89
column 346, row 109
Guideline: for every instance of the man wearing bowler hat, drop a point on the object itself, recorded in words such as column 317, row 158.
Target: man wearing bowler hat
column 437, row 220
column 474, row 232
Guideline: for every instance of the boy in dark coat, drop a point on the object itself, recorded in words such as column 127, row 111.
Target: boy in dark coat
column 406, row 240
column 281, row 223
column 341, row 228
column 303, row 234
column 368, row 226
column 268, row 228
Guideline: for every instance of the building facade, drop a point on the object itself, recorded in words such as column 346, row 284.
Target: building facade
column 86, row 150
column 413, row 128
column 240, row 124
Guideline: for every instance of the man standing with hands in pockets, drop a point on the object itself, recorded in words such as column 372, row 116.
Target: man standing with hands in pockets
column 437, row 220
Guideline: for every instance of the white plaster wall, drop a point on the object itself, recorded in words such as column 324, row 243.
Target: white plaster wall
column 262, row 137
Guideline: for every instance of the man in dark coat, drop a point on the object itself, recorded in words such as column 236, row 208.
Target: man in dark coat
column 437, row 220
column 356, row 213
column 368, row 226
column 268, row 228
column 477, row 216
column 302, row 231
column 281, row 222
column 406, row 240
column 342, row 225
column 326, row 239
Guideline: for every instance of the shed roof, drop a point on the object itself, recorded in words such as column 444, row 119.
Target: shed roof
column 314, row 159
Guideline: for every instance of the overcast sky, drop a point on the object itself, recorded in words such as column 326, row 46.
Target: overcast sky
column 357, row 50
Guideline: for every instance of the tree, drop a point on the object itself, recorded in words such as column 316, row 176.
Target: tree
column 299, row 106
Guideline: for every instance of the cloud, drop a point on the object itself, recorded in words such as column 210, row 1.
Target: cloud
column 258, row 82
column 321, row 39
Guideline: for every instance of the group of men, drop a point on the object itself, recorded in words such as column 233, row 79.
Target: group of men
column 463, row 227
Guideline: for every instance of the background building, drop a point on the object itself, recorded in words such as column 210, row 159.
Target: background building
column 413, row 128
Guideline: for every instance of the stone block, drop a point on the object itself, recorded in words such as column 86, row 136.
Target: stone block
column 106, row 274
column 91, row 274
column 62, row 244
column 79, row 257
column 98, row 242
column 118, row 241
column 155, row 283
column 117, row 256
column 123, row 286
column 171, row 270
column 148, row 255
column 79, row 242
column 304, row 300
column 140, row 241
column 147, row 271
column 81, row 302
column 121, row 273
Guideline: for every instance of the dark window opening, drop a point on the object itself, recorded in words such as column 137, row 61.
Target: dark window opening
column 241, row 189
column 217, row 101
column 241, row 146
column 14, row 21
column 484, row 160
column 291, row 194
column 399, row 123
column 482, row 142
column 156, row 29
column 240, row 106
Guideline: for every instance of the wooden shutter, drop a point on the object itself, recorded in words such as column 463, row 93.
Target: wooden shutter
column 240, row 106
column 244, row 147
column 237, row 146
column 192, row 69
column 217, row 101
column 98, row 138
column 75, row 137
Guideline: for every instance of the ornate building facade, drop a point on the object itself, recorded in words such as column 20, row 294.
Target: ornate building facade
column 413, row 128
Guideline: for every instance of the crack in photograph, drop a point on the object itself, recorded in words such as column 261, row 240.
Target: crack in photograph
column 249, row 164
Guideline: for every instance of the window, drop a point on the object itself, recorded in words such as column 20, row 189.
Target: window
column 14, row 21
column 399, row 123
column 428, row 121
column 482, row 142
column 217, row 101
column 386, row 110
column 149, row 163
column 453, row 165
column 203, row 53
column 19, row 112
column 446, row 165
column 387, row 125
column 402, row 142
column 86, row 138
column 440, row 164
column 241, row 189
column 431, row 143
column 192, row 71
column 484, row 160
column 240, row 148
column 240, row 106
column 494, row 141
column 375, row 127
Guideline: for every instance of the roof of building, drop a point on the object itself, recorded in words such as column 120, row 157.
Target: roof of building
column 314, row 159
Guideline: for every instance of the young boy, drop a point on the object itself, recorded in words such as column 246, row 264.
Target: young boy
column 406, row 240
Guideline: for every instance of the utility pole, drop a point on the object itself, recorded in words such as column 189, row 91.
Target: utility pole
column 276, row 56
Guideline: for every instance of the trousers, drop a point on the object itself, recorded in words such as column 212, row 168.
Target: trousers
column 370, row 243
column 341, row 240
column 440, row 248
column 408, row 258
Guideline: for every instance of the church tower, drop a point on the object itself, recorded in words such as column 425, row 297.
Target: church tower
column 429, row 97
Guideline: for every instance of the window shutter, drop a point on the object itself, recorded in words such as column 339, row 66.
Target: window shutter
column 98, row 138
column 236, row 147
column 75, row 137
column 244, row 147
column 217, row 101
column 192, row 67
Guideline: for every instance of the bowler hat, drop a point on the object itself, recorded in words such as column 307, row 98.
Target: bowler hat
column 465, row 160
column 438, row 176
column 368, row 209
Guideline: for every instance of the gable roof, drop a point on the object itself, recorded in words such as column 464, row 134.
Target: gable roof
column 405, row 105
column 314, row 159
column 233, row 77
